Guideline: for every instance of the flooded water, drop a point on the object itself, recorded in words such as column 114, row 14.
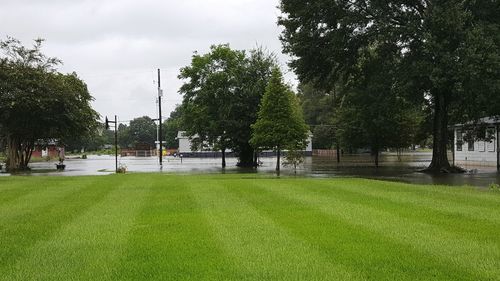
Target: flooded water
column 404, row 169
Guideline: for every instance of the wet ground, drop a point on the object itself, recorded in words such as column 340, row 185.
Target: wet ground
column 404, row 169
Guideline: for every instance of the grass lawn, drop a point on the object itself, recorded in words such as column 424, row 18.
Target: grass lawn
column 244, row 227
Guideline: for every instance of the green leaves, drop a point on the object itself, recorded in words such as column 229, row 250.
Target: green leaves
column 38, row 104
column 446, row 54
column 222, row 94
column 280, row 124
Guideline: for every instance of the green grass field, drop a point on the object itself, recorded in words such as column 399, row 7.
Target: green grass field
column 241, row 227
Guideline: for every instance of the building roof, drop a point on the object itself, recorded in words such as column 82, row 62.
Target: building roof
column 495, row 120
column 183, row 135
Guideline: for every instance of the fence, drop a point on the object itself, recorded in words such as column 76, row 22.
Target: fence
column 325, row 152
column 138, row 153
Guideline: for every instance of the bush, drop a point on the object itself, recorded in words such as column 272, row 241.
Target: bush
column 495, row 187
column 294, row 158
column 122, row 169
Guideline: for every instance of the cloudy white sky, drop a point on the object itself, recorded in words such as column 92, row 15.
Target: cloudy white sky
column 117, row 45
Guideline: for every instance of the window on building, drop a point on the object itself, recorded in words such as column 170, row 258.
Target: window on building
column 490, row 139
column 460, row 140
column 471, row 145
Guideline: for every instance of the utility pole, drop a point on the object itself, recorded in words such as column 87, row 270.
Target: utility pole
column 159, row 118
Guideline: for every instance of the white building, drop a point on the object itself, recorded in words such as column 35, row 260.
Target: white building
column 185, row 146
column 184, row 143
column 483, row 152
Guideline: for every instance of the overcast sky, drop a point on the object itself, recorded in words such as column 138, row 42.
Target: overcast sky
column 116, row 46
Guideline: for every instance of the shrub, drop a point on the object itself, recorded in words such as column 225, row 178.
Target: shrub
column 495, row 187
column 122, row 169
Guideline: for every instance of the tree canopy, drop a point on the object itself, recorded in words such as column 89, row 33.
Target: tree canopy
column 448, row 52
column 142, row 131
column 37, row 103
column 221, row 96
column 280, row 124
column 374, row 113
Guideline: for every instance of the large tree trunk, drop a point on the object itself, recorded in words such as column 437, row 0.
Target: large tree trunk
column 440, row 161
column 278, row 164
column 18, row 154
column 223, row 158
column 13, row 159
column 338, row 153
column 376, row 154
column 246, row 156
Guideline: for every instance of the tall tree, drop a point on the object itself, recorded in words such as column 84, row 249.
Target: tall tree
column 280, row 124
column 450, row 52
column 221, row 97
column 253, row 81
column 211, row 84
column 38, row 104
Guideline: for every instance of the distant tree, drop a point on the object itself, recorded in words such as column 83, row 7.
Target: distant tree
column 320, row 106
column 171, row 127
column 38, row 104
column 374, row 114
column 93, row 142
column 324, row 136
column 280, row 124
column 449, row 52
column 124, row 136
column 317, row 105
column 142, row 130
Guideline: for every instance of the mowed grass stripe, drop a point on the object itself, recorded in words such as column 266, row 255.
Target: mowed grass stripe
column 376, row 257
column 35, row 193
column 448, row 216
column 465, row 222
column 261, row 249
column 89, row 246
column 43, row 216
column 477, row 257
column 463, row 196
column 17, row 187
column 171, row 240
